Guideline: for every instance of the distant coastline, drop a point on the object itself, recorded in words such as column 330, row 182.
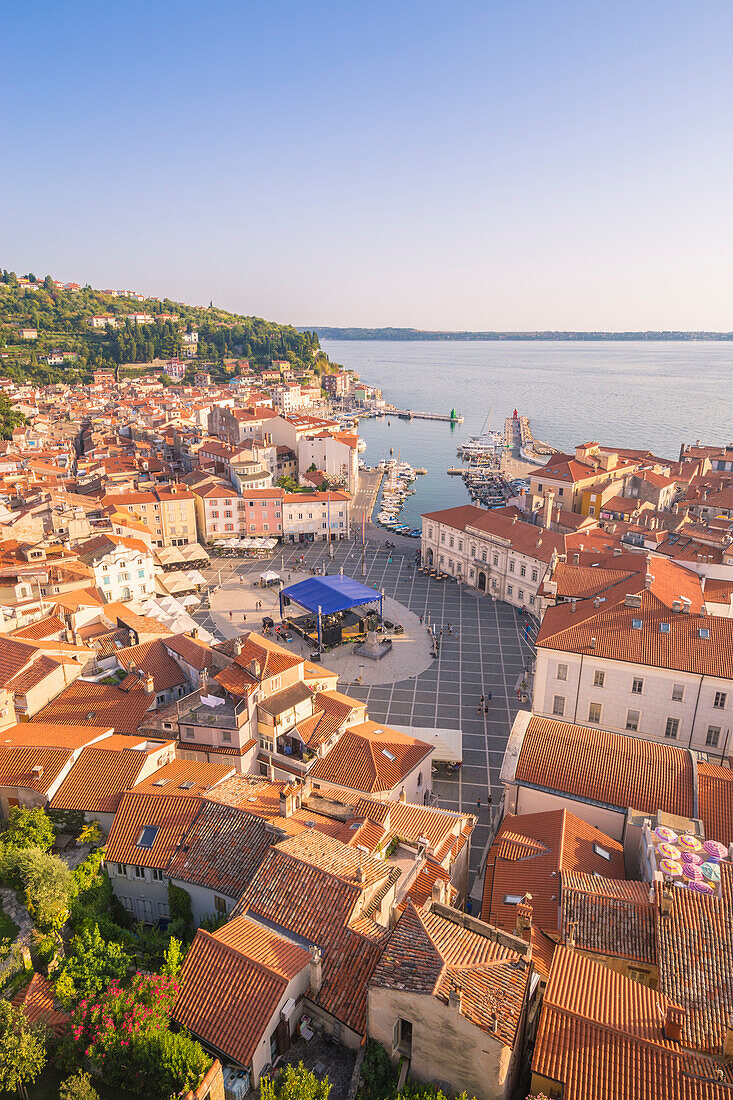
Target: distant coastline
column 326, row 333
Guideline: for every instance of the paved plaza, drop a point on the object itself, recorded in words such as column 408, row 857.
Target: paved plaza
column 486, row 652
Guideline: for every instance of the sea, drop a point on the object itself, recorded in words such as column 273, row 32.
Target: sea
column 656, row 395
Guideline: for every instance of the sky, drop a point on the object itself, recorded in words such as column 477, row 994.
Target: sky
column 529, row 164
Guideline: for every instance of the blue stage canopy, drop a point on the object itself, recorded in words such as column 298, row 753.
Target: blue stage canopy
column 331, row 594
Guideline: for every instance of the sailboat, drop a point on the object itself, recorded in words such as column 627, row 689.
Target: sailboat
column 485, row 443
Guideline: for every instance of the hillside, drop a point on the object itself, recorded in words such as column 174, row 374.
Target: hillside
column 61, row 317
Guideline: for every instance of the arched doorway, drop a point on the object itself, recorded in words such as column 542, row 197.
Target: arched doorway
column 482, row 582
column 429, row 558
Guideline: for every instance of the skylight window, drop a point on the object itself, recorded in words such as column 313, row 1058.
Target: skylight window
column 513, row 899
column 704, row 632
column 664, row 627
column 147, row 836
column 388, row 754
column 187, row 785
column 636, row 624
column 159, row 782
column 602, row 852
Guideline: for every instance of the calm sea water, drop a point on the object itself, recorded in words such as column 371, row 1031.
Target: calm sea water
column 654, row 395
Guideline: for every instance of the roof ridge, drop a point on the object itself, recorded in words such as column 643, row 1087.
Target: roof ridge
column 609, row 1029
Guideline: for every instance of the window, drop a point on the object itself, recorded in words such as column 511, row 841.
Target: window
column 227, row 514
column 442, row 536
column 512, row 899
column 120, row 868
column 531, row 601
column 188, row 732
column 220, row 904
column 139, row 872
column 599, row 678
column 719, row 701
column 522, row 570
column 602, row 852
column 713, row 736
column 558, row 706
column 562, row 672
column 266, row 743
column 430, row 532
column 496, row 559
column 594, row 713
column 159, row 699
column 511, row 566
column 141, row 574
column 637, row 685
column 534, row 574
column 226, row 735
column 636, row 624
column 632, row 720
column 147, row 836
column 678, row 693
column 450, row 542
column 510, row 590
column 672, row 728
column 105, row 580
column 483, row 556
column 419, row 779
column 157, row 875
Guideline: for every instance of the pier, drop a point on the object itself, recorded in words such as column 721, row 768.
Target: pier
column 410, row 414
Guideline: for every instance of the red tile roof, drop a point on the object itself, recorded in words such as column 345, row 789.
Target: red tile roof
column 371, row 757
column 170, row 816
column 98, row 705
column 37, row 1002
column 609, row 768
column 98, row 779
column 232, row 983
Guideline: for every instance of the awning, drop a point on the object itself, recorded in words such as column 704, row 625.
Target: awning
column 447, row 743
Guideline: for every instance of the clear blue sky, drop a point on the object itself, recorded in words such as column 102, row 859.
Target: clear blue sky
column 524, row 164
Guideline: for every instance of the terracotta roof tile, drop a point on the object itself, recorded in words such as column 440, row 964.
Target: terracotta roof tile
column 98, row 779
column 609, row 768
column 370, row 757
column 222, row 849
column 169, row 817
column 98, row 705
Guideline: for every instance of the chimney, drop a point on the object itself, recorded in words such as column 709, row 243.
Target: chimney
column 203, row 678
column 287, row 801
column 270, row 772
column 403, row 796
column 673, row 1023
column 454, row 999
column 573, row 604
column 237, row 647
column 37, row 771
column 194, row 632
column 254, row 668
column 438, row 891
column 570, row 935
column 665, row 900
column 523, row 926
column 576, row 559
column 316, row 970
column 149, row 684
column 593, row 643
column 549, row 500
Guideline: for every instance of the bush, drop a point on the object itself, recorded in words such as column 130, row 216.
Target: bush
column 179, row 905
column 90, row 965
column 22, row 1048
column 27, row 829
column 294, row 1083
column 213, row 921
column 48, row 882
column 378, row 1074
column 125, row 1033
column 78, row 1087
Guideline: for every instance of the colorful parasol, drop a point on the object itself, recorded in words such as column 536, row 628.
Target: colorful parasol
column 701, row 887
column 667, row 850
column 692, row 872
column 671, row 867
column 662, row 832
column 714, row 849
column 711, row 872
column 692, row 858
column 689, row 843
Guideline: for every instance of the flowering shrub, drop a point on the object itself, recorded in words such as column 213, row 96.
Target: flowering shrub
column 124, row 1033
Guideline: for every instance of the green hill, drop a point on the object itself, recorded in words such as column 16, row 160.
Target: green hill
column 61, row 319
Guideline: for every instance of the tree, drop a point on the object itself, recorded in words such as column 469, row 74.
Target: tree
column 294, row 1083
column 90, row 966
column 49, row 888
column 173, row 958
column 27, row 828
column 22, row 1048
column 78, row 1087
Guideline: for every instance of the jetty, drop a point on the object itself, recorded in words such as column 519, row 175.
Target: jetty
column 409, row 414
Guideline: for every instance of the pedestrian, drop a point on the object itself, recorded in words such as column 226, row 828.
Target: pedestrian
column 421, row 620
column 519, row 695
column 478, row 803
column 231, row 616
column 490, row 696
column 481, row 701
column 486, row 708
column 469, row 907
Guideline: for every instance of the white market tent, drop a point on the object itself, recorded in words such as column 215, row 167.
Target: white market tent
column 269, row 577
column 447, row 743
